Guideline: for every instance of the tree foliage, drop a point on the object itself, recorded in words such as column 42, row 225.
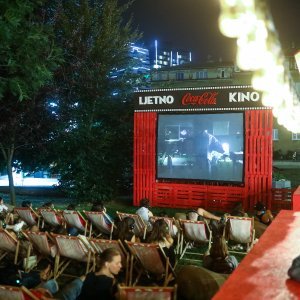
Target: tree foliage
column 93, row 148
column 28, row 58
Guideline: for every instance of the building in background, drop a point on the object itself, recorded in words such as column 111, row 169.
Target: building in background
column 141, row 59
column 286, row 145
column 164, row 55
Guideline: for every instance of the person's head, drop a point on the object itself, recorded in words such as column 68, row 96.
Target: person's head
column 48, row 205
column 163, row 214
column 26, row 204
column 219, row 248
column 145, row 202
column 98, row 206
column 110, row 260
column 126, row 228
column 71, row 206
column 259, row 206
column 192, row 215
column 238, row 210
column 160, row 230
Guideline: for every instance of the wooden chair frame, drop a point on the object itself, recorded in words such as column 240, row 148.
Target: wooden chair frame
column 99, row 221
column 194, row 232
column 73, row 218
column 151, row 260
column 52, row 217
column 28, row 215
column 41, row 244
column 12, row 245
column 83, row 253
column 8, row 292
column 234, row 232
column 147, row 292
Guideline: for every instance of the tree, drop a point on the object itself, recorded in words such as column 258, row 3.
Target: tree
column 94, row 146
column 28, row 56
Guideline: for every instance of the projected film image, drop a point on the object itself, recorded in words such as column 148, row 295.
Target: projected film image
column 201, row 147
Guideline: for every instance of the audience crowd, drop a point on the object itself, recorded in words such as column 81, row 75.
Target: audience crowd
column 108, row 269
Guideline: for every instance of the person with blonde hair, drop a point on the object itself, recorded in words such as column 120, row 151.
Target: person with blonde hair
column 102, row 283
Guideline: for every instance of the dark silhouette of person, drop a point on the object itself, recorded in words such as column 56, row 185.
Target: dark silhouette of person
column 205, row 143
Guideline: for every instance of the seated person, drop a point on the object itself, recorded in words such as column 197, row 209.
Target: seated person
column 218, row 259
column 5, row 215
column 144, row 212
column 72, row 231
column 125, row 231
column 160, row 235
column 262, row 214
column 238, row 210
column 102, row 284
column 98, row 206
column 200, row 213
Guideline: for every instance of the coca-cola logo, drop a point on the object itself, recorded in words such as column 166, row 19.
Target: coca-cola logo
column 207, row 98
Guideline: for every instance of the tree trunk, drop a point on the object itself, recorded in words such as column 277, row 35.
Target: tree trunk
column 12, row 191
column 8, row 156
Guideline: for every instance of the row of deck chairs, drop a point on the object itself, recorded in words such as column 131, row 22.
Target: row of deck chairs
column 238, row 229
column 124, row 293
column 137, row 258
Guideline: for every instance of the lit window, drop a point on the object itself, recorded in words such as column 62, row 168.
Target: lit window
column 296, row 136
column 275, row 135
column 179, row 76
column 201, row 74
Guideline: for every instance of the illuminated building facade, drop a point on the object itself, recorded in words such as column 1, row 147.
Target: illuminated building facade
column 228, row 74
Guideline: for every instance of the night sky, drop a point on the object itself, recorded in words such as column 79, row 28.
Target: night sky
column 193, row 25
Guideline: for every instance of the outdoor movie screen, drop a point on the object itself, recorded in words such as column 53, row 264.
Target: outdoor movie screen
column 203, row 146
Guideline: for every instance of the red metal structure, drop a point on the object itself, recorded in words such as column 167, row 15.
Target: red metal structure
column 257, row 178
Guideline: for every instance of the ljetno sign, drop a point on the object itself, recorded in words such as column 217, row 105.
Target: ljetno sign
column 240, row 98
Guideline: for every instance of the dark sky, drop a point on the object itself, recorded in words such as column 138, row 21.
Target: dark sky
column 193, row 25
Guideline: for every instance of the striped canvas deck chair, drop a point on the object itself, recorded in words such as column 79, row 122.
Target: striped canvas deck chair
column 42, row 244
column 194, row 232
column 100, row 221
column 8, row 245
column 74, row 219
column 240, row 230
column 147, row 292
column 72, row 248
column 51, row 217
column 151, row 260
column 100, row 245
column 140, row 227
column 28, row 215
column 8, row 292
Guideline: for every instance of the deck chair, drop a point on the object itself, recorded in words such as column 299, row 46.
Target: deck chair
column 8, row 245
column 240, row 230
column 151, row 260
column 100, row 245
column 140, row 227
column 72, row 248
column 194, row 232
column 28, row 215
column 51, row 217
column 74, row 219
column 42, row 244
column 147, row 292
column 8, row 292
column 100, row 221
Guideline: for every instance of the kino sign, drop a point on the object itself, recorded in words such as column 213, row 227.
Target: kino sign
column 201, row 99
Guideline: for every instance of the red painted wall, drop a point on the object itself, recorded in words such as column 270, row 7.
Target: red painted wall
column 258, row 168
